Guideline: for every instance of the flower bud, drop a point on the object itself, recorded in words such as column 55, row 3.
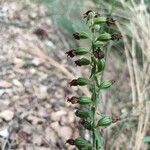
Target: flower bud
column 104, row 37
column 82, row 113
column 79, row 143
column 81, row 51
column 83, row 100
column 116, row 36
column 98, row 44
column 73, row 100
column 80, row 81
column 81, row 35
column 99, row 20
column 78, row 51
column 104, row 121
column 106, row 84
column 82, row 62
column 100, row 65
column 99, row 54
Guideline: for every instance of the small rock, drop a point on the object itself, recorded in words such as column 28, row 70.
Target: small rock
column 55, row 116
column 42, row 93
column 50, row 134
column 4, row 133
column 7, row 115
column 34, row 119
column 5, row 84
column 27, row 129
column 65, row 132
column 32, row 15
column 19, row 63
column 36, row 62
column 71, row 117
column 37, row 140
column 2, row 91
column 17, row 83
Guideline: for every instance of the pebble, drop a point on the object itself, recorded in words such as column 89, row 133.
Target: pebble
column 55, row 116
column 7, row 115
column 5, row 84
column 37, row 139
column 65, row 132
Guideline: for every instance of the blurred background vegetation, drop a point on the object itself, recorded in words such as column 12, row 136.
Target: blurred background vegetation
column 129, row 60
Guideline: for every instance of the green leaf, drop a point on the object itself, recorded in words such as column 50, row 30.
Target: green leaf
column 146, row 139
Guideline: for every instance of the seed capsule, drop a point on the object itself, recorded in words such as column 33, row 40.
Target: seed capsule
column 101, row 65
column 82, row 113
column 82, row 143
column 100, row 20
column 83, row 100
column 104, row 37
column 81, row 35
column 79, row 143
column 104, row 121
column 78, row 51
column 99, row 44
column 106, row 84
column 80, row 81
column 81, row 51
column 82, row 62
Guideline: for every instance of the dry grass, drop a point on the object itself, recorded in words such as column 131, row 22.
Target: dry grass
column 135, row 28
column 139, row 29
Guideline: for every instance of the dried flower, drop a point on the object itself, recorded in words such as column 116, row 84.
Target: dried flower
column 116, row 36
column 73, row 100
column 99, row 54
column 70, row 141
column 87, row 13
column 71, row 53
column 110, row 21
